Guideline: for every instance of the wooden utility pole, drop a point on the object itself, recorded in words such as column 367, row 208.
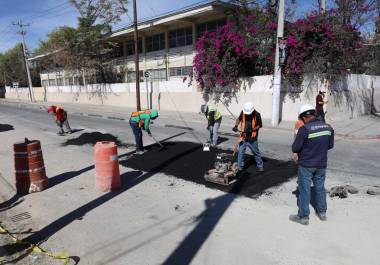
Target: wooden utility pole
column 137, row 68
column 22, row 32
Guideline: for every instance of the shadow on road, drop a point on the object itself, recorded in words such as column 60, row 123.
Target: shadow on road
column 68, row 175
column 6, row 127
column 12, row 202
column 192, row 163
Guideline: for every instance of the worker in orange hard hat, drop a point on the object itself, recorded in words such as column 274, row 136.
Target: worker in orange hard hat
column 60, row 118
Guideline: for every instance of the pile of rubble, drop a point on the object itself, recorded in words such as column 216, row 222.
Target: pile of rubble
column 343, row 191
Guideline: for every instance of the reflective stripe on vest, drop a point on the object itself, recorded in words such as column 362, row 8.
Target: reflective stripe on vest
column 319, row 134
column 254, row 133
column 217, row 114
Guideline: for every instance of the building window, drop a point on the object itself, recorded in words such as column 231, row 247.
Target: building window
column 60, row 81
column 180, row 37
column 131, row 77
column 131, row 47
column 68, row 81
column 157, row 74
column 180, row 71
column 52, row 82
column 210, row 26
column 117, row 50
column 155, row 42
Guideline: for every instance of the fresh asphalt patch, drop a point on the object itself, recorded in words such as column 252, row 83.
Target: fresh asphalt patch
column 92, row 138
column 188, row 161
column 6, row 127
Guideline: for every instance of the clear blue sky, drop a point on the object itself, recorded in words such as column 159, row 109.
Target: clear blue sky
column 46, row 15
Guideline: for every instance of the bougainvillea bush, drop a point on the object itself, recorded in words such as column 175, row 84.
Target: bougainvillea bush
column 319, row 44
column 239, row 48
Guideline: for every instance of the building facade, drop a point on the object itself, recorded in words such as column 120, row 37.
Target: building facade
column 166, row 46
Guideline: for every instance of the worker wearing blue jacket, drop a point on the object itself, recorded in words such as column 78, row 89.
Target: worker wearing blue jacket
column 312, row 143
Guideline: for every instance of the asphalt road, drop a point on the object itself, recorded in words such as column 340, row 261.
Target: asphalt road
column 351, row 159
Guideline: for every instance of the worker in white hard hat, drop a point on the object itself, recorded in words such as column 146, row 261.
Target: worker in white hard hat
column 312, row 142
column 250, row 124
column 214, row 119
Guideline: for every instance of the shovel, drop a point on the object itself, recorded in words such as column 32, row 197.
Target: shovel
column 161, row 145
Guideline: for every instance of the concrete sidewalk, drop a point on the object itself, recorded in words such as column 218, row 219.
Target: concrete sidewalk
column 363, row 128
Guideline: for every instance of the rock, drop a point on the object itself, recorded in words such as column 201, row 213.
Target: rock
column 351, row 189
column 375, row 190
column 339, row 191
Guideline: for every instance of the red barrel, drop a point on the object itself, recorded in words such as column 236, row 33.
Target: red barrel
column 29, row 167
column 106, row 166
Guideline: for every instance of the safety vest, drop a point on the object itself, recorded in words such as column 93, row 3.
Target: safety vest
column 217, row 114
column 242, row 128
column 60, row 113
column 138, row 113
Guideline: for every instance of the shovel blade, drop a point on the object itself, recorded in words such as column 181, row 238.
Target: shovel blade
column 206, row 147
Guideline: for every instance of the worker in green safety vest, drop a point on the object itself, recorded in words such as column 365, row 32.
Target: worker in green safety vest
column 214, row 118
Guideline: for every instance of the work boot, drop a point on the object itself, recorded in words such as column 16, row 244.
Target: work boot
column 260, row 169
column 295, row 218
column 322, row 216
column 60, row 133
column 139, row 152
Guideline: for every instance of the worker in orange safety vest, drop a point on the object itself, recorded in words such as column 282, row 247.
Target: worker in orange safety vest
column 250, row 124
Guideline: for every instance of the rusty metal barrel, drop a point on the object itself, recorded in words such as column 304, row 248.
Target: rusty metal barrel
column 29, row 167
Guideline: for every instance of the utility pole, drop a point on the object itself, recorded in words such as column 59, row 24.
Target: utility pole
column 277, row 68
column 137, row 68
column 322, row 6
column 22, row 32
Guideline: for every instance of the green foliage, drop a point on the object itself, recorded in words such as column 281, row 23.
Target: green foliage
column 55, row 39
column 85, row 48
column 12, row 68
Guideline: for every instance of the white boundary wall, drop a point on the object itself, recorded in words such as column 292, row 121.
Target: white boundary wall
column 348, row 98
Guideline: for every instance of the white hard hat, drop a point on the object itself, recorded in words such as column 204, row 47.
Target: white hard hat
column 306, row 109
column 248, row 108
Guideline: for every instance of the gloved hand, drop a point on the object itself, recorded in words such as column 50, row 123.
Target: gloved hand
column 148, row 132
column 235, row 129
column 208, row 128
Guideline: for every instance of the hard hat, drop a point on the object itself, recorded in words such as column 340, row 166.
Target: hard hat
column 153, row 113
column 306, row 109
column 248, row 108
column 204, row 108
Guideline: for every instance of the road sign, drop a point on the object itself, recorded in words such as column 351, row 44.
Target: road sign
column 146, row 74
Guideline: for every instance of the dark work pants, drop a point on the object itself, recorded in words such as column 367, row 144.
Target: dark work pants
column 138, row 135
column 321, row 115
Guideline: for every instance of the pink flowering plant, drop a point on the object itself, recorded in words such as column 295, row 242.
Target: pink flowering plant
column 319, row 44
column 239, row 48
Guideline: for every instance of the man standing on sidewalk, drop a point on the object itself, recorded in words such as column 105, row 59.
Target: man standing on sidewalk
column 60, row 118
column 214, row 119
column 251, row 123
column 141, row 120
column 319, row 103
column 312, row 143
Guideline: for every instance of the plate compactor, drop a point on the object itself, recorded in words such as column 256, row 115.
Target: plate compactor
column 224, row 171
